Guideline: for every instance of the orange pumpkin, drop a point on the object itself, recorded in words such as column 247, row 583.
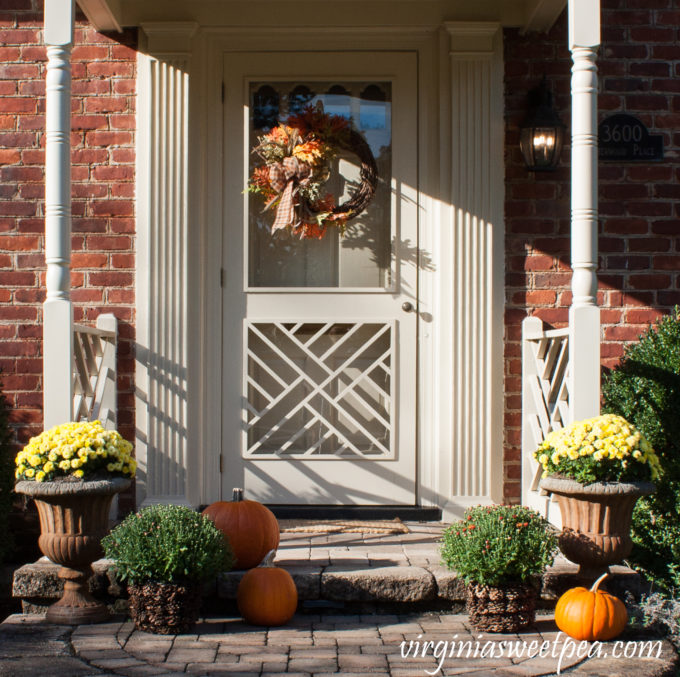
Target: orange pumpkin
column 250, row 527
column 267, row 594
column 591, row 614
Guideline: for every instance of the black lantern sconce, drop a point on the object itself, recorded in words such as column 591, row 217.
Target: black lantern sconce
column 542, row 132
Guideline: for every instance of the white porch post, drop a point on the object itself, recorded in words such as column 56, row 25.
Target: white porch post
column 57, row 309
column 163, row 233
column 584, row 315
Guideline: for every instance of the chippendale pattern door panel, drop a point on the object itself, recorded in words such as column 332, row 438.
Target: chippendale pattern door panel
column 319, row 335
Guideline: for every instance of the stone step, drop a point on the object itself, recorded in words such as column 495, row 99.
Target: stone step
column 37, row 585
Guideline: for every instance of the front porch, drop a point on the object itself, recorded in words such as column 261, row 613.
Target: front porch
column 360, row 598
column 337, row 571
column 184, row 453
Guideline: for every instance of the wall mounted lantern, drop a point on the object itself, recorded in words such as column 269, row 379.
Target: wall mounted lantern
column 542, row 132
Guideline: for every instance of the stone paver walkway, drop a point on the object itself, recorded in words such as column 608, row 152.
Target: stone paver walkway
column 352, row 645
column 347, row 571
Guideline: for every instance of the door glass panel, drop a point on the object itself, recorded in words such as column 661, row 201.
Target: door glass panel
column 362, row 258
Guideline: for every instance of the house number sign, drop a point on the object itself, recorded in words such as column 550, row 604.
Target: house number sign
column 623, row 138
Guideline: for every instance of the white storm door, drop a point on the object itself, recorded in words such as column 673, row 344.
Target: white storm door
column 319, row 336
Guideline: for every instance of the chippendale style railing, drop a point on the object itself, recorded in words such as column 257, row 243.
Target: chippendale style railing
column 94, row 371
column 545, row 401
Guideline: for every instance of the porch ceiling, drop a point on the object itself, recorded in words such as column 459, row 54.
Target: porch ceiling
column 529, row 15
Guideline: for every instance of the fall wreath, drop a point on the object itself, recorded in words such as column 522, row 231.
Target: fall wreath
column 297, row 156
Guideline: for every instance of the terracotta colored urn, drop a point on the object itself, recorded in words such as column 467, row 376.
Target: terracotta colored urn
column 596, row 521
column 74, row 516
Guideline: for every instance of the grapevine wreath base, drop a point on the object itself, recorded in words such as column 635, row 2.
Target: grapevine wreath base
column 297, row 157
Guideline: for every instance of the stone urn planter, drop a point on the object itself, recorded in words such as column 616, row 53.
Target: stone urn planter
column 74, row 516
column 596, row 521
column 506, row 608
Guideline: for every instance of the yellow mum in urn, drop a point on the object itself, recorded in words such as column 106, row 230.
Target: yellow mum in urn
column 597, row 469
column 605, row 448
column 82, row 450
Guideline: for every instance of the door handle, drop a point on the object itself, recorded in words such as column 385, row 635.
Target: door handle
column 407, row 306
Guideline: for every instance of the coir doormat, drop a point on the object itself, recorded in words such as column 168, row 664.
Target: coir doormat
column 395, row 526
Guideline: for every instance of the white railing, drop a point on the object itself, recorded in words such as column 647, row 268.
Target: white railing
column 545, row 402
column 94, row 371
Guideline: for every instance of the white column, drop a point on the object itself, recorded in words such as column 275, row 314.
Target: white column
column 584, row 315
column 162, row 283
column 57, row 309
column 471, row 248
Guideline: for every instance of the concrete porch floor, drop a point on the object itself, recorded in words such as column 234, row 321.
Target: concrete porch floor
column 361, row 597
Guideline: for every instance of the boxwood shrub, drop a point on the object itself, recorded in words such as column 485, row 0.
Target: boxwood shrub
column 645, row 389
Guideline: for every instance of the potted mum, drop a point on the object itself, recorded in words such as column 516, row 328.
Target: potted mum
column 165, row 553
column 73, row 471
column 597, row 468
column 498, row 551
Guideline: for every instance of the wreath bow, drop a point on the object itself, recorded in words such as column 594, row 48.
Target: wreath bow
column 284, row 178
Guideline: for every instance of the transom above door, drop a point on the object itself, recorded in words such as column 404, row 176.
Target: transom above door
column 319, row 335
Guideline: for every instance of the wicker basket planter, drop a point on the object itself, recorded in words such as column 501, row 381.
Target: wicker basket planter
column 74, row 516
column 596, row 521
column 501, row 609
column 165, row 608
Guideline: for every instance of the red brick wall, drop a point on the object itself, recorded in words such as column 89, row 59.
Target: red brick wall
column 639, row 69
column 103, row 240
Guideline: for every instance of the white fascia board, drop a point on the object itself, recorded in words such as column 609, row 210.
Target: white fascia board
column 542, row 14
column 104, row 15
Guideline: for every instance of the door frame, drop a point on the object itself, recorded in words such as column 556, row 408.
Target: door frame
column 218, row 45
column 451, row 56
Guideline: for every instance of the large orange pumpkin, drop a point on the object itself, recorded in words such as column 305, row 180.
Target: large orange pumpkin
column 591, row 614
column 267, row 594
column 251, row 528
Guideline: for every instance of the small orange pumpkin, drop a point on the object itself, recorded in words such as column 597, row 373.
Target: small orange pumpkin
column 267, row 594
column 250, row 527
column 591, row 614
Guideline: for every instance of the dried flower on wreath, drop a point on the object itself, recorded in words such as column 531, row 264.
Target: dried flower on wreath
column 297, row 157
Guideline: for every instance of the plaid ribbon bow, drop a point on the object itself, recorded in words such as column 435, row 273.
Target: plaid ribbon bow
column 284, row 177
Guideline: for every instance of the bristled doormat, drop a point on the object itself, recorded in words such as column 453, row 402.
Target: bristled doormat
column 395, row 526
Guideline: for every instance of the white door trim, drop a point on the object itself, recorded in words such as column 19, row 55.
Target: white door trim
column 461, row 284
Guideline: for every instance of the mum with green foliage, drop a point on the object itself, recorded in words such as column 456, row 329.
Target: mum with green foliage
column 604, row 448
column 77, row 450
column 165, row 553
column 167, row 544
column 645, row 389
column 497, row 545
column 498, row 551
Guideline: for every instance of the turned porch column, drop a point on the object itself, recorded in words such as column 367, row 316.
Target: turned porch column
column 584, row 314
column 57, row 309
